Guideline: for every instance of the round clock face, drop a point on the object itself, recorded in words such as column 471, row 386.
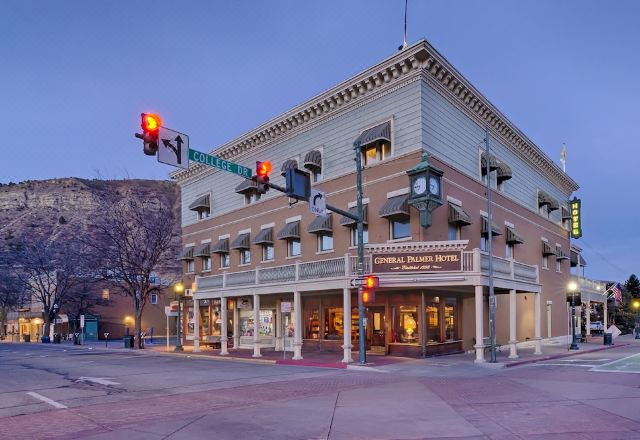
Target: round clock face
column 434, row 186
column 420, row 185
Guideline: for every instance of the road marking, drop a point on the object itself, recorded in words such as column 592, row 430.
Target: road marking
column 46, row 400
column 565, row 365
column 100, row 380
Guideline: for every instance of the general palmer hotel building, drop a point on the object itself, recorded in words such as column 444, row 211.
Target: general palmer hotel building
column 266, row 274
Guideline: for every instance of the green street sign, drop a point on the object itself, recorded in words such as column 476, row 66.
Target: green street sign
column 216, row 162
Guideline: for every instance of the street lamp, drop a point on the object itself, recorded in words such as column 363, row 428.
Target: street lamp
column 572, row 289
column 178, row 290
column 636, row 307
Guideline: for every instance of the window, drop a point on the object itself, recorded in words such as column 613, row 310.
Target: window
column 406, row 324
column 453, row 232
column 376, row 152
column 542, row 210
column 333, row 323
column 450, row 321
column 267, row 252
column 558, row 265
column 191, row 266
column 206, row 263
column 494, row 180
column 509, row 250
column 204, row 213
column 316, row 175
column 484, row 243
column 293, row 247
column 325, row 242
column 354, row 235
column 400, row 228
column 433, row 320
column 245, row 256
column 251, row 197
column 154, row 298
column 545, row 262
column 224, row 261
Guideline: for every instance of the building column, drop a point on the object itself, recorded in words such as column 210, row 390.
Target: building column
column 605, row 316
column 236, row 324
column 537, row 319
column 256, row 326
column 196, row 325
column 588, row 316
column 297, row 329
column 346, row 308
column 513, row 350
column 223, row 327
column 549, row 304
column 479, row 324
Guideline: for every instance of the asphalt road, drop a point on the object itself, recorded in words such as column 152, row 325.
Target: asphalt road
column 49, row 391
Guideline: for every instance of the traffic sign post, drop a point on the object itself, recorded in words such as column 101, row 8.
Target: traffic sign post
column 317, row 202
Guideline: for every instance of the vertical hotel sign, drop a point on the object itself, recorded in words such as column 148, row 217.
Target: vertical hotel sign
column 576, row 218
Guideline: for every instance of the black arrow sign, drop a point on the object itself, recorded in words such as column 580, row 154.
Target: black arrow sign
column 315, row 199
column 178, row 151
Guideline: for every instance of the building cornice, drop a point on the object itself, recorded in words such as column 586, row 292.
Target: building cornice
column 420, row 60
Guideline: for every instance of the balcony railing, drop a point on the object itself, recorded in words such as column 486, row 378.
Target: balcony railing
column 590, row 286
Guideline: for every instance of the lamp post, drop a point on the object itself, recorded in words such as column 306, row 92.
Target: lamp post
column 636, row 307
column 178, row 289
column 572, row 289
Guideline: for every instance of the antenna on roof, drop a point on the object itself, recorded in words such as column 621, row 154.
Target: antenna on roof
column 404, row 39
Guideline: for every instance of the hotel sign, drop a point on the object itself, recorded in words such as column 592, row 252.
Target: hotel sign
column 576, row 218
column 407, row 262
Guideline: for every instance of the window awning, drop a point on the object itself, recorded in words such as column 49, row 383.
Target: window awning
column 459, row 216
column 203, row 250
column 560, row 254
column 503, row 172
column 493, row 162
column 495, row 230
column 246, row 186
column 546, row 199
column 395, row 207
column 287, row 165
column 187, row 254
column 575, row 258
column 313, row 160
column 378, row 133
column 349, row 222
column 265, row 236
column 221, row 247
column 513, row 237
column 290, row 230
column 241, row 242
column 202, row 203
column 321, row 224
column 546, row 249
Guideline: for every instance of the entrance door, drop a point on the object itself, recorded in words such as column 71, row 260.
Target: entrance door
column 376, row 332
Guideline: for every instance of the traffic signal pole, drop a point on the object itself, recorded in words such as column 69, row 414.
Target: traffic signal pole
column 362, row 353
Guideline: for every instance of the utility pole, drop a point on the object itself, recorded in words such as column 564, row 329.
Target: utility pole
column 492, row 296
column 362, row 352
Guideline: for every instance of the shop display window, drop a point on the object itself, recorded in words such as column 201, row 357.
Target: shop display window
column 313, row 326
column 433, row 320
column 407, row 324
column 333, row 323
column 450, row 319
column 205, row 314
column 246, row 323
column 266, row 322
column 190, row 316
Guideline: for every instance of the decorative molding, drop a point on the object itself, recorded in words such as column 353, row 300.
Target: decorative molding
column 418, row 246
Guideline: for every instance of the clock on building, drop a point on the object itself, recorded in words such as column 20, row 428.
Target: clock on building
column 426, row 189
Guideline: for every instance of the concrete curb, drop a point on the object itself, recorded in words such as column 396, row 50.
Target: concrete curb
column 562, row 355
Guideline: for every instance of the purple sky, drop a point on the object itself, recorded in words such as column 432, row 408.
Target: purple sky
column 76, row 74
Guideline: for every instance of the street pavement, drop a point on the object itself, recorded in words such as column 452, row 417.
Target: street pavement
column 50, row 391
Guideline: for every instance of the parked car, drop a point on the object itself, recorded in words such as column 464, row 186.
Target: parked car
column 597, row 327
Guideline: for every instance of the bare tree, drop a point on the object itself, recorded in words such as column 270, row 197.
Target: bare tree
column 135, row 240
column 80, row 302
column 12, row 295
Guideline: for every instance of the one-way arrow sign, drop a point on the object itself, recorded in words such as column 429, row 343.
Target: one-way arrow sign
column 317, row 202
column 173, row 148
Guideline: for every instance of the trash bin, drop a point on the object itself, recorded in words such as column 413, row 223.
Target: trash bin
column 128, row 342
column 45, row 339
column 56, row 338
column 26, row 337
column 608, row 340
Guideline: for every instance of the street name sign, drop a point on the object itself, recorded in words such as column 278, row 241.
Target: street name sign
column 317, row 202
column 222, row 164
column 173, row 148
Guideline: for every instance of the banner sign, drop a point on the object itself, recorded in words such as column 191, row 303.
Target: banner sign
column 406, row 262
column 576, row 218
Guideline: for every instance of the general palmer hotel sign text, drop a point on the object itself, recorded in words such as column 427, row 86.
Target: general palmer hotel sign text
column 417, row 262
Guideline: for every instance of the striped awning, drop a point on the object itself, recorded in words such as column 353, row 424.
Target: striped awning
column 560, row 254
column 495, row 230
column 493, row 162
column 187, row 254
column 380, row 132
column 203, row 250
column 290, row 230
column 546, row 199
column 575, row 258
column 349, row 222
column 513, row 237
column 459, row 216
column 265, row 236
column 503, row 172
column 546, row 249
column 321, row 224
column 241, row 242
column 395, row 207
column 202, row 203
column 313, row 160
column 290, row 164
column 221, row 247
column 246, row 186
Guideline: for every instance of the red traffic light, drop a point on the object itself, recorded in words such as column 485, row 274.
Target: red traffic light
column 151, row 122
column 263, row 168
column 372, row 282
column 368, row 296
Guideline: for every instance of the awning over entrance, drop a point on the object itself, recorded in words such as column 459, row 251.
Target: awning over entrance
column 241, row 242
column 187, row 254
column 513, row 237
column 321, row 224
column 202, row 203
column 495, row 230
column 221, row 247
column 395, row 207
column 313, row 160
column 377, row 133
column 265, row 236
column 459, row 216
column 349, row 222
column 291, row 230
column 203, row 250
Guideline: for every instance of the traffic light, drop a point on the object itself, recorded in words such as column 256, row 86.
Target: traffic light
column 371, row 283
column 150, row 124
column 262, row 176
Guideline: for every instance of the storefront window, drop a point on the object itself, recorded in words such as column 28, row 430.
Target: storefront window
column 190, row 315
column 433, row 320
column 246, row 322
column 450, row 319
column 313, row 324
column 205, row 315
column 407, row 324
column 333, row 323
column 266, row 322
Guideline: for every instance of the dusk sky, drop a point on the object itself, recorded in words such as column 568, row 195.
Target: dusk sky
column 76, row 75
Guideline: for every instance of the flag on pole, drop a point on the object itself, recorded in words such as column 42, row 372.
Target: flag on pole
column 617, row 292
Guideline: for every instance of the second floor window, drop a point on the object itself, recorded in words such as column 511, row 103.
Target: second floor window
column 245, row 256
column 206, row 263
column 293, row 247
column 545, row 262
column 400, row 228
column 354, row 235
column 154, row 298
column 191, row 266
column 325, row 242
column 453, row 232
column 224, row 261
column 509, row 250
column 267, row 252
